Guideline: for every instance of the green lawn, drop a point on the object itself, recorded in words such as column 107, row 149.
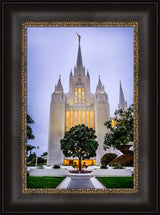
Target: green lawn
column 117, row 182
column 43, row 182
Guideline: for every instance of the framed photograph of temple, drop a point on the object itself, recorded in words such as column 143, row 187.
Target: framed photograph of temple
column 80, row 107
column 80, row 84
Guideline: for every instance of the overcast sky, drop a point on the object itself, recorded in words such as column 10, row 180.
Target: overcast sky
column 52, row 51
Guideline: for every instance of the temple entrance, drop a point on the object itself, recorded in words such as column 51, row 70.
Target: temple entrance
column 75, row 162
column 71, row 162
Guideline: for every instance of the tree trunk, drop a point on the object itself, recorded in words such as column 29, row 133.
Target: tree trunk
column 79, row 164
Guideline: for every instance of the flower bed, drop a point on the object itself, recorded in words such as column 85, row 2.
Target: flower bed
column 82, row 171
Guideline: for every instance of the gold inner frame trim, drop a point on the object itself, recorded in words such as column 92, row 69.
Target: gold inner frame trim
column 26, row 24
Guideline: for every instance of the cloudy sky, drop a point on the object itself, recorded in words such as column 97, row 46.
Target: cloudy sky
column 52, row 51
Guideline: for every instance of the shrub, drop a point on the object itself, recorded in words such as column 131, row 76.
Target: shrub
column 56, row 166
column 39, row 160
column 125, row 160
column 104, row 167
column 106, row 158
column 118, row 166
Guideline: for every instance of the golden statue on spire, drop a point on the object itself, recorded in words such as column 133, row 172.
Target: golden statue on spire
column 79, row 37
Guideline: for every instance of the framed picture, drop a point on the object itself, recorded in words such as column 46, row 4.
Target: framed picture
column 46, row 103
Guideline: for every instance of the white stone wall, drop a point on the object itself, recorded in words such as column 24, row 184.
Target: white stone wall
column 112, row 173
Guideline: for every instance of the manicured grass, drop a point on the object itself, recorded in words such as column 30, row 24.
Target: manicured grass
column 117, row 182
column 43, row 182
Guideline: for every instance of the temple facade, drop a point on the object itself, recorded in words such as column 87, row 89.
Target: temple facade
column 77, row 106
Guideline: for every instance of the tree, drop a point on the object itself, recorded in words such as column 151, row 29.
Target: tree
column 30, row 147
column 106, row 158
column 122, row 133
column 29, row 158
column 30, row 121
column 79, row 142
column 44, row 154
column 30, row 135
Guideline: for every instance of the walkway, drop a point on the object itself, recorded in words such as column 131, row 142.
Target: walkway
column 81, row 183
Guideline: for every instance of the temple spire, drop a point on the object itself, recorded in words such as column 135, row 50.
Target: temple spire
column 99, row 86
column 79, row 37
column 79, row 56
column 122, row 103
column 59, row 87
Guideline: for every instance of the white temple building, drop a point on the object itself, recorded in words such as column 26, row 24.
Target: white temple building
column 78, row 106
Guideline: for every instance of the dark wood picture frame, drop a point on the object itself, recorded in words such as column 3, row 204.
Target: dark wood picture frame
column 13, row 14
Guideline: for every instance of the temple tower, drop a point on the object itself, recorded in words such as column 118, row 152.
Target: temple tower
column 56, row 125
column 102, row 114
column 122, row 103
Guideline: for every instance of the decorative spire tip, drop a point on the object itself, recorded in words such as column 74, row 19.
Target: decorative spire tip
column 79, row 37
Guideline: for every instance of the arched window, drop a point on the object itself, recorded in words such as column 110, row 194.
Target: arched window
column 79, row 95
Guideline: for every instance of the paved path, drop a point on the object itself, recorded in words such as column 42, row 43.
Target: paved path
column 81, row 183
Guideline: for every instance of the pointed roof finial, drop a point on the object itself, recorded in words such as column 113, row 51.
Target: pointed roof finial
column 99, row 86
column 79, row 37
column 122, row 103
column 59, row 87
column 79, row 56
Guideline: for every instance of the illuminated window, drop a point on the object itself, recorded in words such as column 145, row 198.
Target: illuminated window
column 71, row 119
column 75, row 118
column 79, row 95
column 83, row 117
column 79, row 117
column 67, row 120
column 75, row 95
column 92, row 119
column 88, row 118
